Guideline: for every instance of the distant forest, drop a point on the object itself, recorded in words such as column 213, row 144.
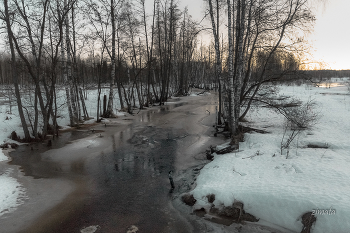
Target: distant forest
column 324, row 74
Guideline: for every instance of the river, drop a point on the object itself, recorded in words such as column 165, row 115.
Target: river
column 113, row 177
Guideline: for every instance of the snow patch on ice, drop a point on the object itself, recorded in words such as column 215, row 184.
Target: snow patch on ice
column 132, row 229
column 118, row 113
column 12, row 193
column 3, row 157
column 90, row 229
column 86, row 143
column 90, row 121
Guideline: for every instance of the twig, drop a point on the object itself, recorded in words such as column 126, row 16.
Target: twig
column 252, row 156
column 237, row 172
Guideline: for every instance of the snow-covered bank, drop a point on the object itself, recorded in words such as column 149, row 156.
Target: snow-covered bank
column 10, row 121
column 3, row 157
column 280, row 190
column 12, row 193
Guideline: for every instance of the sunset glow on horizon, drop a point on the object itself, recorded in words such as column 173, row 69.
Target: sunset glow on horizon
column 329, row 39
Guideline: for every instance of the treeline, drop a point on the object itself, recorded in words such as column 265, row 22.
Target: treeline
column 145, row 57
column 326, row 74
column 74, row 44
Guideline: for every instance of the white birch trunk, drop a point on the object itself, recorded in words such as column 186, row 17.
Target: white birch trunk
column 109, row 112
column 71, row 99
column 230, row 67
column 240, row 64
column 65, row 80
column 217, row 53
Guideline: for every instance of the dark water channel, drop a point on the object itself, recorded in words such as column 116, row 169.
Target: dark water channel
column 127, row 187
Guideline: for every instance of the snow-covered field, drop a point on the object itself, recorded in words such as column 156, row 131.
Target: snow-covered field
column 279, row 190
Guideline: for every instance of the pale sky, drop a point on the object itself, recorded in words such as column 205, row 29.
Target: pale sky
column 331, row 36
column 330, row 39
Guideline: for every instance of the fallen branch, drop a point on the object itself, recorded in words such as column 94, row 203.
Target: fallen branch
column 252, row 156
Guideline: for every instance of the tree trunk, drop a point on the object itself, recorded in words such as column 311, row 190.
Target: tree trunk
column 230, row 67
column 14, row 74
column 70, row 93
column 239, row 64
column 218, row 57
column 109, row 112
column 119, row 76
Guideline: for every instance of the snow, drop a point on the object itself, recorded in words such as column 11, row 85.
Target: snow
column 12, row 194
column 275, row 189
column 279, row 190
column 2, row 156
column 90, row 229
column 8, row 122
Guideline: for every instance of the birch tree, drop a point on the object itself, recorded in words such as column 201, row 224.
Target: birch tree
column 6, row 18
column 215, row 30
column 239, row 63
column 26, row 19
column 109, row 112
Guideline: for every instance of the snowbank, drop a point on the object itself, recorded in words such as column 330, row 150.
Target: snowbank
column 9, row 121
column 12, row 194
column 281, row 190
column 3, row 157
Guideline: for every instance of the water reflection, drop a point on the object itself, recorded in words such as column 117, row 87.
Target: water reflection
column 135, row 158
column 29, row 157
column 146, row 117
column 127, row 186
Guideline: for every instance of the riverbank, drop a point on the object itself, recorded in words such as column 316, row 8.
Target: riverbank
column 282, row 186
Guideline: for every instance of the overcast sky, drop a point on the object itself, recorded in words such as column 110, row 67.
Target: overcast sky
column 332, row 34
column 330, row 38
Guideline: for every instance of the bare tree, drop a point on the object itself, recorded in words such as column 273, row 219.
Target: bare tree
column 215, row 29
column 6, row 18
column 109, row 112
column 260, row 33
column 36, row 50
column 239, row 64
